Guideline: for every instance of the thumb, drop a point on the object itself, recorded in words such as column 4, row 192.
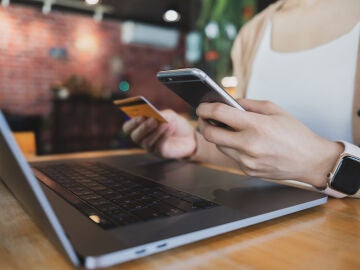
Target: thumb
column 259, row 106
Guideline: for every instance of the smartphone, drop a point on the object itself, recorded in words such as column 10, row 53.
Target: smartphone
column 194, row 86
column 139, row 106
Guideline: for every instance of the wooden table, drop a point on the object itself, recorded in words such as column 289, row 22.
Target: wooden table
column 325, row 237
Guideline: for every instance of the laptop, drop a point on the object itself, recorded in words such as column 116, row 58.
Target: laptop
column 104, row 211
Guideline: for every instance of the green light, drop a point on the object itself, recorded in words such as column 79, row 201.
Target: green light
column 124, row 86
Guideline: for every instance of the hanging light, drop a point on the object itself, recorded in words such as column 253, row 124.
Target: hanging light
column 171, row 15
column 92, row 2
column 46, row 9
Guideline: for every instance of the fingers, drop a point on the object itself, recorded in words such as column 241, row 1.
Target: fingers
column 130, row 125
column 150, row 142
column 226, row 114
column 259, row 106
column 169, row 114
column 218, row 135
column 236, row 119
column 139, row 128
column 145, row 128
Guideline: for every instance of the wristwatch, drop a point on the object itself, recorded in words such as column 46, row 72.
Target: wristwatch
column 344, row 179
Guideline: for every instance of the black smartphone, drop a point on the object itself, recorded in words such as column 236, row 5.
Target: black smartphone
column 195, row 86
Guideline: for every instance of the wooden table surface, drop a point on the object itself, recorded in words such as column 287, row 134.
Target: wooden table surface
column 325, row 237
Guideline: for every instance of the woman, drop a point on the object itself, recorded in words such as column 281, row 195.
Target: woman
column 302, row 55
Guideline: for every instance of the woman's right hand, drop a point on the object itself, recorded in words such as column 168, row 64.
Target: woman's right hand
column 174, row 139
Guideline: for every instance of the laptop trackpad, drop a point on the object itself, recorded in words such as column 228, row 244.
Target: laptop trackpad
column 228, row 189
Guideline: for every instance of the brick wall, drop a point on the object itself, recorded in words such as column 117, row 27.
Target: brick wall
column 28, row 72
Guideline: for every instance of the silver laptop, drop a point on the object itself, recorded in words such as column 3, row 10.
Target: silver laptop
column 104, row 211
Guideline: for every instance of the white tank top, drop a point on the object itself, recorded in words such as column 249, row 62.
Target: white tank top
column 316, row 86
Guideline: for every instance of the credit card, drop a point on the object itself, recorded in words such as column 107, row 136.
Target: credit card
column 139, row 106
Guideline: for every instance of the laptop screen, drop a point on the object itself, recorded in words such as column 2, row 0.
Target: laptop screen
column 18, row 177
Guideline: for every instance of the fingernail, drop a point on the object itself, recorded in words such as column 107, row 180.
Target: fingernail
column 150, row 123
column 138, row 119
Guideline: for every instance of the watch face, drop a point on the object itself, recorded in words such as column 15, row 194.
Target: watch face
column 347, row 176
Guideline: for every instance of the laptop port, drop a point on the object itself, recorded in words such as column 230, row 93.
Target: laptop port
column 162, row 245
column 140, row 251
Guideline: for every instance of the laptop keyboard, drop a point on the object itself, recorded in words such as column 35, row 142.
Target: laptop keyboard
column 111, row 197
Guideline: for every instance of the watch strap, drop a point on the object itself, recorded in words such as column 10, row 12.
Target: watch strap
column 349, row 149
column 333, row 193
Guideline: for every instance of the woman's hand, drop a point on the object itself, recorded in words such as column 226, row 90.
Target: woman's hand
column 267, row 142
column 175, row 139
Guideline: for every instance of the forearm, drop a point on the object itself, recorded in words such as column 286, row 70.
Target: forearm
column 320, row 161
column 321, row 164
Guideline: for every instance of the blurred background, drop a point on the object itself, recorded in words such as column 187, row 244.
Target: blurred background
column 63, row 62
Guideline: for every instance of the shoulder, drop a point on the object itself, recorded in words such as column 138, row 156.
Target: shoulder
column 246, row 43
column 250, row 34
column 255, row 25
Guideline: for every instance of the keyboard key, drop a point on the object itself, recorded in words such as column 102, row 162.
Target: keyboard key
column 166, row 209
column 147, row 213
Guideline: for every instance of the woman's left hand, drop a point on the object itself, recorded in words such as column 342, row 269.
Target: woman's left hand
column 268, row 142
